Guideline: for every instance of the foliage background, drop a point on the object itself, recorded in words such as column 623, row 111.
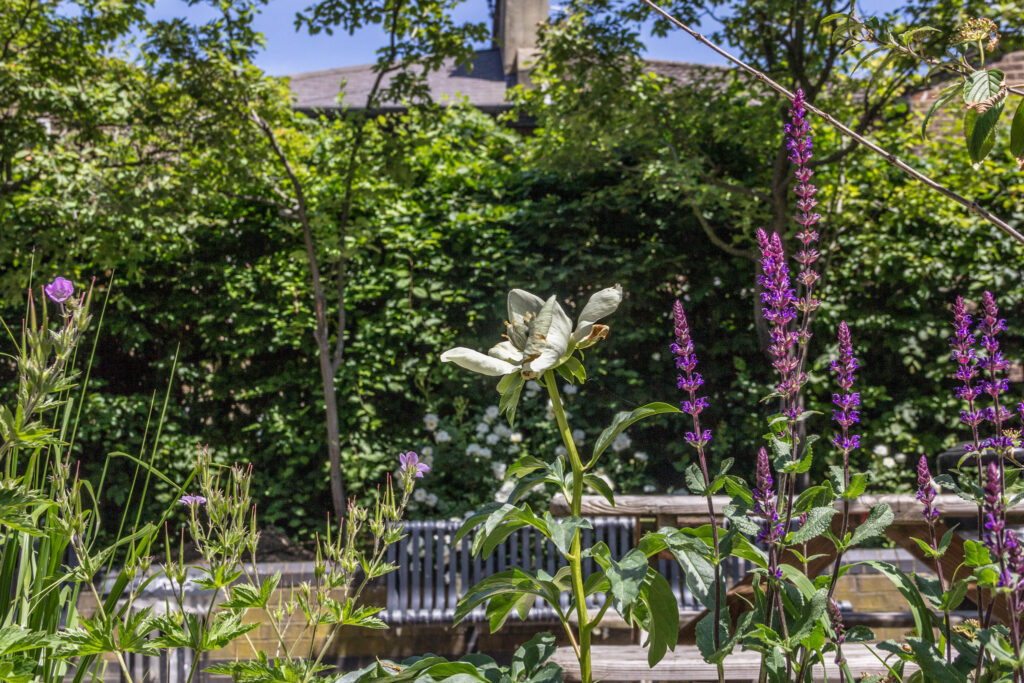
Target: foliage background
column 453, row 208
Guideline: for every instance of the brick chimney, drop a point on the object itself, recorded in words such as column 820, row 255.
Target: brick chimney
column 515, row 32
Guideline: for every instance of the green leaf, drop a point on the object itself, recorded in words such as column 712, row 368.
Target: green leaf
column 933, row 663
column 858, row 484
column 510, row 397
column 877, row 522
column 980, row 131
column 623, row 420
column 818, row 520
column 562, row 531
column 663, row 628
column 575, row 369
column 1017, row 132
column 976, row 554
column 698, row 571
column 944, row 97
column 983, row 85
column 625, row 579
column 921, row 613
column 601, row 486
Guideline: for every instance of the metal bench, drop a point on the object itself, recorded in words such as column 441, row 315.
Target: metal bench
column 433, row 572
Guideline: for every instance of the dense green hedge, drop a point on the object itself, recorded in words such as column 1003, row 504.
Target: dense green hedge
column 460, row 210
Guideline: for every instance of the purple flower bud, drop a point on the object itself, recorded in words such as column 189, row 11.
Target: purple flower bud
column 926, row 491
column 764, row 501
column 410, row 462
column 60, row 290
column 192, row 501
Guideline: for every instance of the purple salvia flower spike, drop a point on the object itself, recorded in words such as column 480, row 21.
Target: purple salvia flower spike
column 764, row 502
column 779, row 309
column 847, row 400
column 800, row 146
column 926, row 490
column 688, row 380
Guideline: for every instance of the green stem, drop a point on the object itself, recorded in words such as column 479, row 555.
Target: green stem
column 575, row 559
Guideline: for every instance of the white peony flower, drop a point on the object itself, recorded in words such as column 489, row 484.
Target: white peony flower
column 431, row 421
column 516, row 437
column 656, row 356
column 492, row 439
column 419, row 495
column 621, row 443
column 532, row 388
column 485, row 452
column 503, row 431
column 442, row 437
column 539, row 335
column 482, row 428
column 888, row 462
column 881, row 450
column 491, row 412
column 560, row 450
column 901, row 458
column 473, row 449
column 431, row 499
column 499, row 469
column 427, row 451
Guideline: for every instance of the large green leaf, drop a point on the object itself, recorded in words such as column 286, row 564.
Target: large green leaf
column 980, row 131
column 625, row 419
column 879, row 519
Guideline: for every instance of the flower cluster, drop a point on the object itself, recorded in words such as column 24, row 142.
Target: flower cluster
column 779, row 309
column 800, row 146
column 966, row 359
column 764, row 502
column 976, row 30
column 847, row 400
column 689, row 380
column 926, row 490
column 995, row 365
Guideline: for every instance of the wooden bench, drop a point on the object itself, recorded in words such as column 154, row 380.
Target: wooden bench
column 629, row 663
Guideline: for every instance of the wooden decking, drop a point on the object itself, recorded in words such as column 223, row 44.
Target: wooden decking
column 629, row 663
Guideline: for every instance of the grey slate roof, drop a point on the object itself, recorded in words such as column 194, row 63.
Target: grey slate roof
column 484, row 85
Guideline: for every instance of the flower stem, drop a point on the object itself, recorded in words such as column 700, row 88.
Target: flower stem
column 575, row 502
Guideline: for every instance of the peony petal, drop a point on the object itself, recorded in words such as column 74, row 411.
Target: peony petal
column 601, row 304
column 549, row 339
column 522, row 303
column 478, row 362
column 506, row 351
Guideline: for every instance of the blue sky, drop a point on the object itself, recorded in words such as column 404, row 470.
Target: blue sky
column 289, row 52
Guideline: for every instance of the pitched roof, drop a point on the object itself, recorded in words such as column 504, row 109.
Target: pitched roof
column 484, row 86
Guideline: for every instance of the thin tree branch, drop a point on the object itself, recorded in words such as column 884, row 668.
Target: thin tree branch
column 718, row 241
column 969, row 204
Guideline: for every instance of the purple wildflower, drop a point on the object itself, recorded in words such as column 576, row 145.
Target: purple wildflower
column 411, row 463
column 835, row 616
column 779, row 309
column 966, row 358
column 688, row 380
column 800, row 146
column 192, row 501
column 764, row 501
column 60, row 290
column 994, row 524
column 846, row 400
column 993, row 362
column 926, row 491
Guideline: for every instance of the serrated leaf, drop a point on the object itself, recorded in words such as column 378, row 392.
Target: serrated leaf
column 983, row 85
column 818, row 520
column 976, row 554
column 879, row 519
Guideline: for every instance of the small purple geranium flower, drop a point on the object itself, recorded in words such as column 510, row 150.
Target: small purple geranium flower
column 60, row 290
column 192, row 501
column 411, row 463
